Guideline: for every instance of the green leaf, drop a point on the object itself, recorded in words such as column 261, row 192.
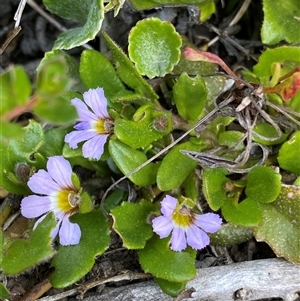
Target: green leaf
column 30, row 143
column 52, row 77
column 230, row 234
column 246, row 213
column 288, row 157
column 176, row 167
column 173, row 289
column 190, row 96
column 191, row 187
column 280, row 226
column 148, row 126
column 48, row 107
column 90, row 12
column 154, row 47
column 264, row 68
column 148, row 4
column 72, row 66
column 53, row 83
column 127, row 72
column 114, row 199
column 207, row 8
column 15, row 88
column 22, row 150
column 137, row 229
column 263, row 184
column 157, row 258
column 53, row 142
column 97, row 71
column 193, row 67
column 219, row 124
column 27, row 253
column 73, row 262
column 4, row 293
column 231, row 139
column 280, row 22
column 268, row 131
column 12, row 131
column 214, row 187
column 127, row 159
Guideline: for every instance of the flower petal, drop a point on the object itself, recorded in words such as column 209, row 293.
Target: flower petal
column 69, row 233
column 168, row 205
column 196, row 237
column 209, row 222
column 42, row 183
column 94, row 148
column 96, row 100
column 83, row 126
column 178, row 240
column 162, row 226
column 83, row 111
column 34, row 206
column 61, row 171
column 76, row 137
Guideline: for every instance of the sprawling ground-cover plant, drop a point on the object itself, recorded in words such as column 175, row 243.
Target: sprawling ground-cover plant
column 230, row 127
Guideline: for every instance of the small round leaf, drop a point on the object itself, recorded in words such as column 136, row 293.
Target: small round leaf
column 263, row 184
column 154, row 47
column 289, row 154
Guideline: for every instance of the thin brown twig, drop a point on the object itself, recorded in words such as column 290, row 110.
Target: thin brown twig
column 11, row 36
column 89, row 285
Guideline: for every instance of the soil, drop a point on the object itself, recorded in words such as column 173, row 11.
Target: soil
column 37, row 37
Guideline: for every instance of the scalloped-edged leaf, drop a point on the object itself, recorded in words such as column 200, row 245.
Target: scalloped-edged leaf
column 154, row 47
column 190, row 96
column 127, row 159
column 27, row 253
column 89, row 12
column 137, row 229
column 288, row 157
column 280, row 226
column 280, row 22
column 263, row 184
column 127, row 72
column 73, row 262
column 157, row 258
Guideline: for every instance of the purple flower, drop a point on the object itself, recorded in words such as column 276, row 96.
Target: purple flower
column 95, row 124
column 59, row 196
column 186, row 226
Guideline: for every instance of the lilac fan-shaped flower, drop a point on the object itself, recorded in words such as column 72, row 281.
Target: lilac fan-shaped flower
column 95, row 125
column 56, row 193
column 187, row 227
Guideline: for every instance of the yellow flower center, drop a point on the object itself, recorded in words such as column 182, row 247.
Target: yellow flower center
column 68, row 201
column 182, row 216
column 104, row 126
